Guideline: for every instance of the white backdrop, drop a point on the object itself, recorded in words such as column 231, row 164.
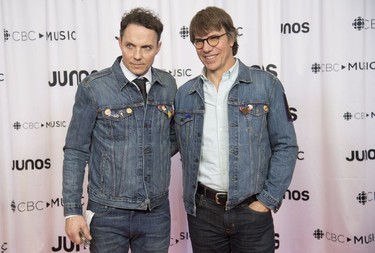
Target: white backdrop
column 322, row 50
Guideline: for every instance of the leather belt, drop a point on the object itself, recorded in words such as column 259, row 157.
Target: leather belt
column 220, row 198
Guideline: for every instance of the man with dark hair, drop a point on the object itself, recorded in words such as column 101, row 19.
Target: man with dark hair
column 237, row 143
column 121, row 128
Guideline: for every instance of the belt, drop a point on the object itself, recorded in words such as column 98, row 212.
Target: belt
column 220, row 198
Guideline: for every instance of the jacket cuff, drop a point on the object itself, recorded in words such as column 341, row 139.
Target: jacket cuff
column 269, row 201
column 72, row 209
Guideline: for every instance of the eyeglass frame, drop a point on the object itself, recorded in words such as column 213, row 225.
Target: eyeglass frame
column 207, row 40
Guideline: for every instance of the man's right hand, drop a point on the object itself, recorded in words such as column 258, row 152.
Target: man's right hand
column 73, row 226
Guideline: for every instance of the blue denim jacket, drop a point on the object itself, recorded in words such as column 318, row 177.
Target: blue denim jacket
column 127, row 147
column 262, row 141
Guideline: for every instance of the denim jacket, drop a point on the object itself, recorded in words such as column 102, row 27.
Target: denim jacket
column 262, row 141
column 126, row 145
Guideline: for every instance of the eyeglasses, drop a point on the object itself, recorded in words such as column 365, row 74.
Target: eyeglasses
column 212, row 41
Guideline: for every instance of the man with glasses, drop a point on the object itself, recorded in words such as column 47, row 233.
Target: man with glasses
column 237, row 143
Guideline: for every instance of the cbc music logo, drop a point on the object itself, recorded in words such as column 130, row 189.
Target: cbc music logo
column 335, row 67
column 361, row 23
column 4, row 247
column 38, row 125
column 364, row 198
column 183, row 236
column 35, row 205
column 343, row 239
column 358, row 115
column 180, row 72
column 184, row 32
column 24, row 35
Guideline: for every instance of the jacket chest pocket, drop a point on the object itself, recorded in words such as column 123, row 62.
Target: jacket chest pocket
column 256, row 118
column 164, row 115
column 117, row 123
column 184, row 127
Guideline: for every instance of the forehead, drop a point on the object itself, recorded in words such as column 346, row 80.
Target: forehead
column 139, row 34
column 209, row 33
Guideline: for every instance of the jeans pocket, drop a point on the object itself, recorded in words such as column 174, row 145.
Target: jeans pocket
column 98, row 209
column 247, row 207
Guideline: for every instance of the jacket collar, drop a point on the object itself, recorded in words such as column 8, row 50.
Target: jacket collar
column 122, row 81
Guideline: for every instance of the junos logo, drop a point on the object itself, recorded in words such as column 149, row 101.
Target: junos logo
column 30, row 164
column 71, row 78
column 288, row 28
column 66, row 245
column 361, row 155
column 297, row 195
column 271, row 68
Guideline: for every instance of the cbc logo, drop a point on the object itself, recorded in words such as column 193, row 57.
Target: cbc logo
column 342, row 239
column 33, row 35
column 364, row 198
column 361, row 23
column 336, row 67
column 37, row 125
column 358, row 115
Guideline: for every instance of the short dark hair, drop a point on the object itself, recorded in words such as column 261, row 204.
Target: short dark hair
column 213, row 19
column 143, row 17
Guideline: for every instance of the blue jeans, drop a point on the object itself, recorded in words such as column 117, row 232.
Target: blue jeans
column 116, row 230
column 238, row 230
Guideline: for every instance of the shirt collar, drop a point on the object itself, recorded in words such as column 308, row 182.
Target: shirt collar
column 231, row 74
column 130, row 76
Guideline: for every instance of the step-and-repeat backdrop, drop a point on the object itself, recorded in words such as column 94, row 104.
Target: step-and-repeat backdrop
column 323, row 52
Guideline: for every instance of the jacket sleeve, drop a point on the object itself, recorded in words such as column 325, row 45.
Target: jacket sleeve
column 284, row 149
column 77, row 150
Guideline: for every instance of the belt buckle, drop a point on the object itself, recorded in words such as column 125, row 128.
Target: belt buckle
column 217, row 199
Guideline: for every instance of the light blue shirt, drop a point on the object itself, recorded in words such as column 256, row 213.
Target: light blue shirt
column 214, row 160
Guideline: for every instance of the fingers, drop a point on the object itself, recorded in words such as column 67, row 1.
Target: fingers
column 76, row 229
column 86, row 232
column 258, row 206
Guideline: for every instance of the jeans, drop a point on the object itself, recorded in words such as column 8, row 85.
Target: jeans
column 116, row 230
column 238, row 230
